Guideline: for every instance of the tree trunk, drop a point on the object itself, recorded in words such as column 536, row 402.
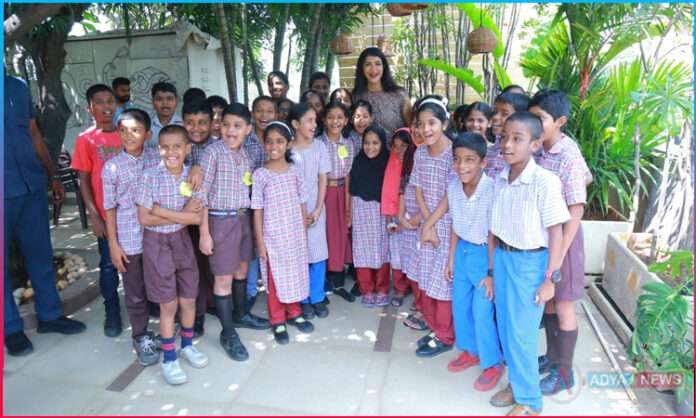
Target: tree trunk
column 26, row 16
column 249, row 52
column 48, row 54
column 330, row 62
column 287, row 65
column 280, row 27
column 310, row 48
column 227, row 51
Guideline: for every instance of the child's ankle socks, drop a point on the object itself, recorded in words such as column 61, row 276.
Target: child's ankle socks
column 186, row 337
column 169, row 349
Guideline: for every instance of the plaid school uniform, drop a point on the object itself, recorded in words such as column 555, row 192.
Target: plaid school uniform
column 409, row 237
column 312, row 162
column 370, row 240
column 198, row 150
column 121, row 177
column 341, row 154
column 224, row 172
column 280, row 196
column 432, row 174
column 162, row 187
column 494, row 159
column 254, row 149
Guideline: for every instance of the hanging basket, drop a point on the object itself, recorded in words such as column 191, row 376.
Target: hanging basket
column 416, row 6
column 481, row 41
column 341, row 45
column 385, row 45
column 398, row 9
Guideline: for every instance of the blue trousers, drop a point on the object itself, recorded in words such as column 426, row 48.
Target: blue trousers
column 517, row 277
column 474, row 325
column 108, row 276
column 317, row 275
column 252, row 277
column 26, row 220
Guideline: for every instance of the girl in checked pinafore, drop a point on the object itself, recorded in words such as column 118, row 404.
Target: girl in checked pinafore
column 370, row 240
column 278, row 198
column 432, row 169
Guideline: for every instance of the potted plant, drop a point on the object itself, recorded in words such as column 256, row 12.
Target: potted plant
column 660, row 341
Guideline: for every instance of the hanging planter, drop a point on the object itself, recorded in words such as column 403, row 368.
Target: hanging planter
column 399, row 9
column 481, row 41
column 341, row 45
column 416, row 6
column 385, row 45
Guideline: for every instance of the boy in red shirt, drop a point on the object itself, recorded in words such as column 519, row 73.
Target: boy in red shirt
column 93, row 148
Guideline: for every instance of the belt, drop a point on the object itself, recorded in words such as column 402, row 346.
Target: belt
column 475, row 245
column 506, row 247
column 337, row 182
column 228, row 212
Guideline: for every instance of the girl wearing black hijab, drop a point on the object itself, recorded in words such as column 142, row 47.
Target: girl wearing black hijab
column 370, row 239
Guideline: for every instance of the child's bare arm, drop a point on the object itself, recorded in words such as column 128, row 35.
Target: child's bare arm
column 98, row 226
column 570, row 228
column 421, row 203
column 439, row 212
column 190, row 215
column 118, row 257
column 349, row 203
column 205, row 243
column 546, row 290
column 258, row 233
column 491, row 249
column 321, row 197
column 146, row 218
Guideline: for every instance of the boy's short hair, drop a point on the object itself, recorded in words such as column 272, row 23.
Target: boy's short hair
column 530, row 120
column 519, row 101
column 119, row 81
column 163, row 87
column 193, row 94
column 239, row 110
column 174, row 129
column 511, row 87
column 261, row 99
column 471, row 140
column 281, row 75
column 553, row 102
column 138, row 115
column 197, row 106
column 318, row 75
column 216, row 101
column 96, row 88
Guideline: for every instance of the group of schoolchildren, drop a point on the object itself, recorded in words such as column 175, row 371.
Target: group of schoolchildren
column 478, row 218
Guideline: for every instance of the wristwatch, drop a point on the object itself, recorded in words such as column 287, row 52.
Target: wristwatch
column 490, row 272
column 555, row 276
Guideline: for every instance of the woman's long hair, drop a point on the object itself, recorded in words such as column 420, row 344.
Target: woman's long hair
column 388, row 83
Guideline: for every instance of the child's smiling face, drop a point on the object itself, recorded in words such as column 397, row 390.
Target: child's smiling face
column 335, row 121
column 133, row 135
column 477, row 122
column 198, row 126
column 502, row 112
column 399, row 147
column 174, row 147
column 263, row 113
column 467, row 164
column 306, row 126
column 102, row 107
column 430, row 127
column 517, row 145
column 552, row 128
column 371, row 145
column 275, row 145
column 361, row 119
column 234, row 131
column 164, row 103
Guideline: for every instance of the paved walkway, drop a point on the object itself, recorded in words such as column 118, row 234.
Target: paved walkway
column 337, row 370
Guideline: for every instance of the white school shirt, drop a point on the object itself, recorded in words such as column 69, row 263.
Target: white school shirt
column 156, row 126
column 470, row 215
column 522, row 211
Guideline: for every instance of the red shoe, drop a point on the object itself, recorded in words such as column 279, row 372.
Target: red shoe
column 463, row 362
column 489, row 378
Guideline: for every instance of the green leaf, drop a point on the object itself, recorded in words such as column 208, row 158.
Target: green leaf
column 464, row 74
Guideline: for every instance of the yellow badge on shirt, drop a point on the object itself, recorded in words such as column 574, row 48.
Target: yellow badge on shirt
column 185, row 189
column 247, row 178
column 342, row 152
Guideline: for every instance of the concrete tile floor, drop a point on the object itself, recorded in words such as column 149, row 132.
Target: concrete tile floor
column 333, row 371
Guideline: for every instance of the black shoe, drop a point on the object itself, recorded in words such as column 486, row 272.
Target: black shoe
column 280, row 333
column 18, row 344
column 251, row 321
column 425, row 339
column 61, row 325
column 233, row 347
column 544, row 364
column 321, row 309
column 307, row 311
column 112, row 323
column 556, row 381
column 199, row 326
column 326, row 300
column 347, row 296
column 355, row 290
column 433, row 348
column 302, row 324
column 153, row 309
column 250, row 303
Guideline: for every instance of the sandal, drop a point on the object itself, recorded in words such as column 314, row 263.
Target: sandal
column 397, row 301
column 415, row 323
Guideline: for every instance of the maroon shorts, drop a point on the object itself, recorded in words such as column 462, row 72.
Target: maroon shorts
column 572, row 284
column 233, row 243
column 170, row 266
